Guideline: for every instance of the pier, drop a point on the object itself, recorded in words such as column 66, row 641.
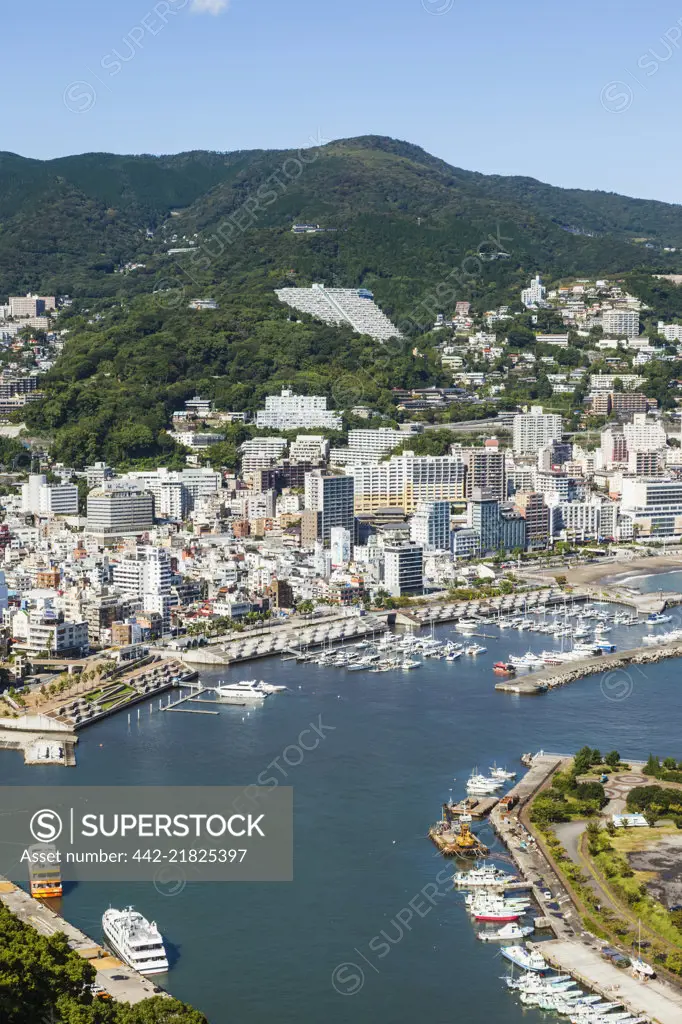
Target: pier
column 120, row 981
column 550, row 678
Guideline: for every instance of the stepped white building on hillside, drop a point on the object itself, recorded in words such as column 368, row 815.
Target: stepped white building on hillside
column 354, row 306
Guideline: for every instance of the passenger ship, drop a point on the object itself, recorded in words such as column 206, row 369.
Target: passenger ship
column 135, row 940
column 44, row 873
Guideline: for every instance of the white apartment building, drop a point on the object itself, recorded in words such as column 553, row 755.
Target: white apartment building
column 671, row 332
column 147, row 571
column 288, row 411
column 534, row 430
column 41, row 630
column 644, row 435
column 408, row 479
column 309, row 448
column 534, row 295
column 430, row 526
column 353, row 306
column 576, row 520
column 119, row 512
column 42, row 499
column 262, row 452
column 621, row 322
column 195, row 440
column 176, row 492
column 655, row 506
column 605, row 381
column 368, row 446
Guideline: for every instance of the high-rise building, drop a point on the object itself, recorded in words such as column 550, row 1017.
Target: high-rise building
column 430, row 526
column 332, row 498
column 262, row 452
column 532, row 507
column 483, row 515
column 644, row 435
column 309, row 448
column 485, row 470
column 534, row 295
column 614, row 448
column 368, row 446
column 288, row 411
column 403, row 569
column 119, row 512
column 620, row 322
column 404, row 481
column 534, row 430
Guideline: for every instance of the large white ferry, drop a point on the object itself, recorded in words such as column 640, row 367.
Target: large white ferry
column 135, row 940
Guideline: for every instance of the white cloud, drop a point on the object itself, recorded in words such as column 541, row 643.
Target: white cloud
column 209, row 6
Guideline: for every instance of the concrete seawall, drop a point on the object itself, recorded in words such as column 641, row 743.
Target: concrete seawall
column 571, row 671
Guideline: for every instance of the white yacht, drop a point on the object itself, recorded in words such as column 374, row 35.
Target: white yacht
column 247, row 691
column 138, row 943
column 530, row 960
column 508, row 932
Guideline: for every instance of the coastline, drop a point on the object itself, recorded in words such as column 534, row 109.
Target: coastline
column 619, row 571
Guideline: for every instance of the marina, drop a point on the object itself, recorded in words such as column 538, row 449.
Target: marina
column 400, row 729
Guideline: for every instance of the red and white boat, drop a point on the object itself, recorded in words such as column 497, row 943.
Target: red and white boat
column 498, row 914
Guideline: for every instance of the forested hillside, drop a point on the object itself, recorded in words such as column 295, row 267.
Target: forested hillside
column 419, row 233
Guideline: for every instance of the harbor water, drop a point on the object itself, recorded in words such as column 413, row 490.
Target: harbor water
column 393, row 746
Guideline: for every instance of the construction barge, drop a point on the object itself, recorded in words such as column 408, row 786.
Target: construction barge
column 453, row 836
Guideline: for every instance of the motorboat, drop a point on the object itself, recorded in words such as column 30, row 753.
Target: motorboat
column 501, row 773
column 485, row 876
column 507, row 933
column 529, row 959
column 247, row 691
column 475, row 649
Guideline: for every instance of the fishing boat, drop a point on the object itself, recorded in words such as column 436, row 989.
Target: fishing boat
column 497, row 913
column 502, row 668
column 507, row 933
column 529, row 959
column 501, row 773
column 485, row 876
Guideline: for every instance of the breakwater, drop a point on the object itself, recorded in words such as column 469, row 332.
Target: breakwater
column 550, row 678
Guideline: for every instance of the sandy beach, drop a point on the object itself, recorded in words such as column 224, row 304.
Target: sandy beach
column 616, row 571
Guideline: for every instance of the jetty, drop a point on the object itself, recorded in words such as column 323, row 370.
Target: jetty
column 550, row 678
column 120, row 981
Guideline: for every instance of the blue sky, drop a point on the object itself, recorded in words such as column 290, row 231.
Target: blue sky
column 584, row 94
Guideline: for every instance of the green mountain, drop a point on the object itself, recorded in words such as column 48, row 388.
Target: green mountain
column 419, row 233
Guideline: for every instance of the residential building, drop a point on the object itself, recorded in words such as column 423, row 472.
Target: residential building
column 646, row 463
column 465, row 543
column 331, row 497
column 176, row 492
column 614, row 447
column 309, row 448
column 643, row 435
column 485, row 469
column 288, row 411
column 280, row 594
column 621, row 322
column 403, row 481
column 671, row 332
column 30, row 305
column 534, row 295
column 483, row 515
column 430, row 526
column 366, row 447
column 262, row 452
column 532, row 507
column 403, row 569
column 534, row 430
column 606, row 381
